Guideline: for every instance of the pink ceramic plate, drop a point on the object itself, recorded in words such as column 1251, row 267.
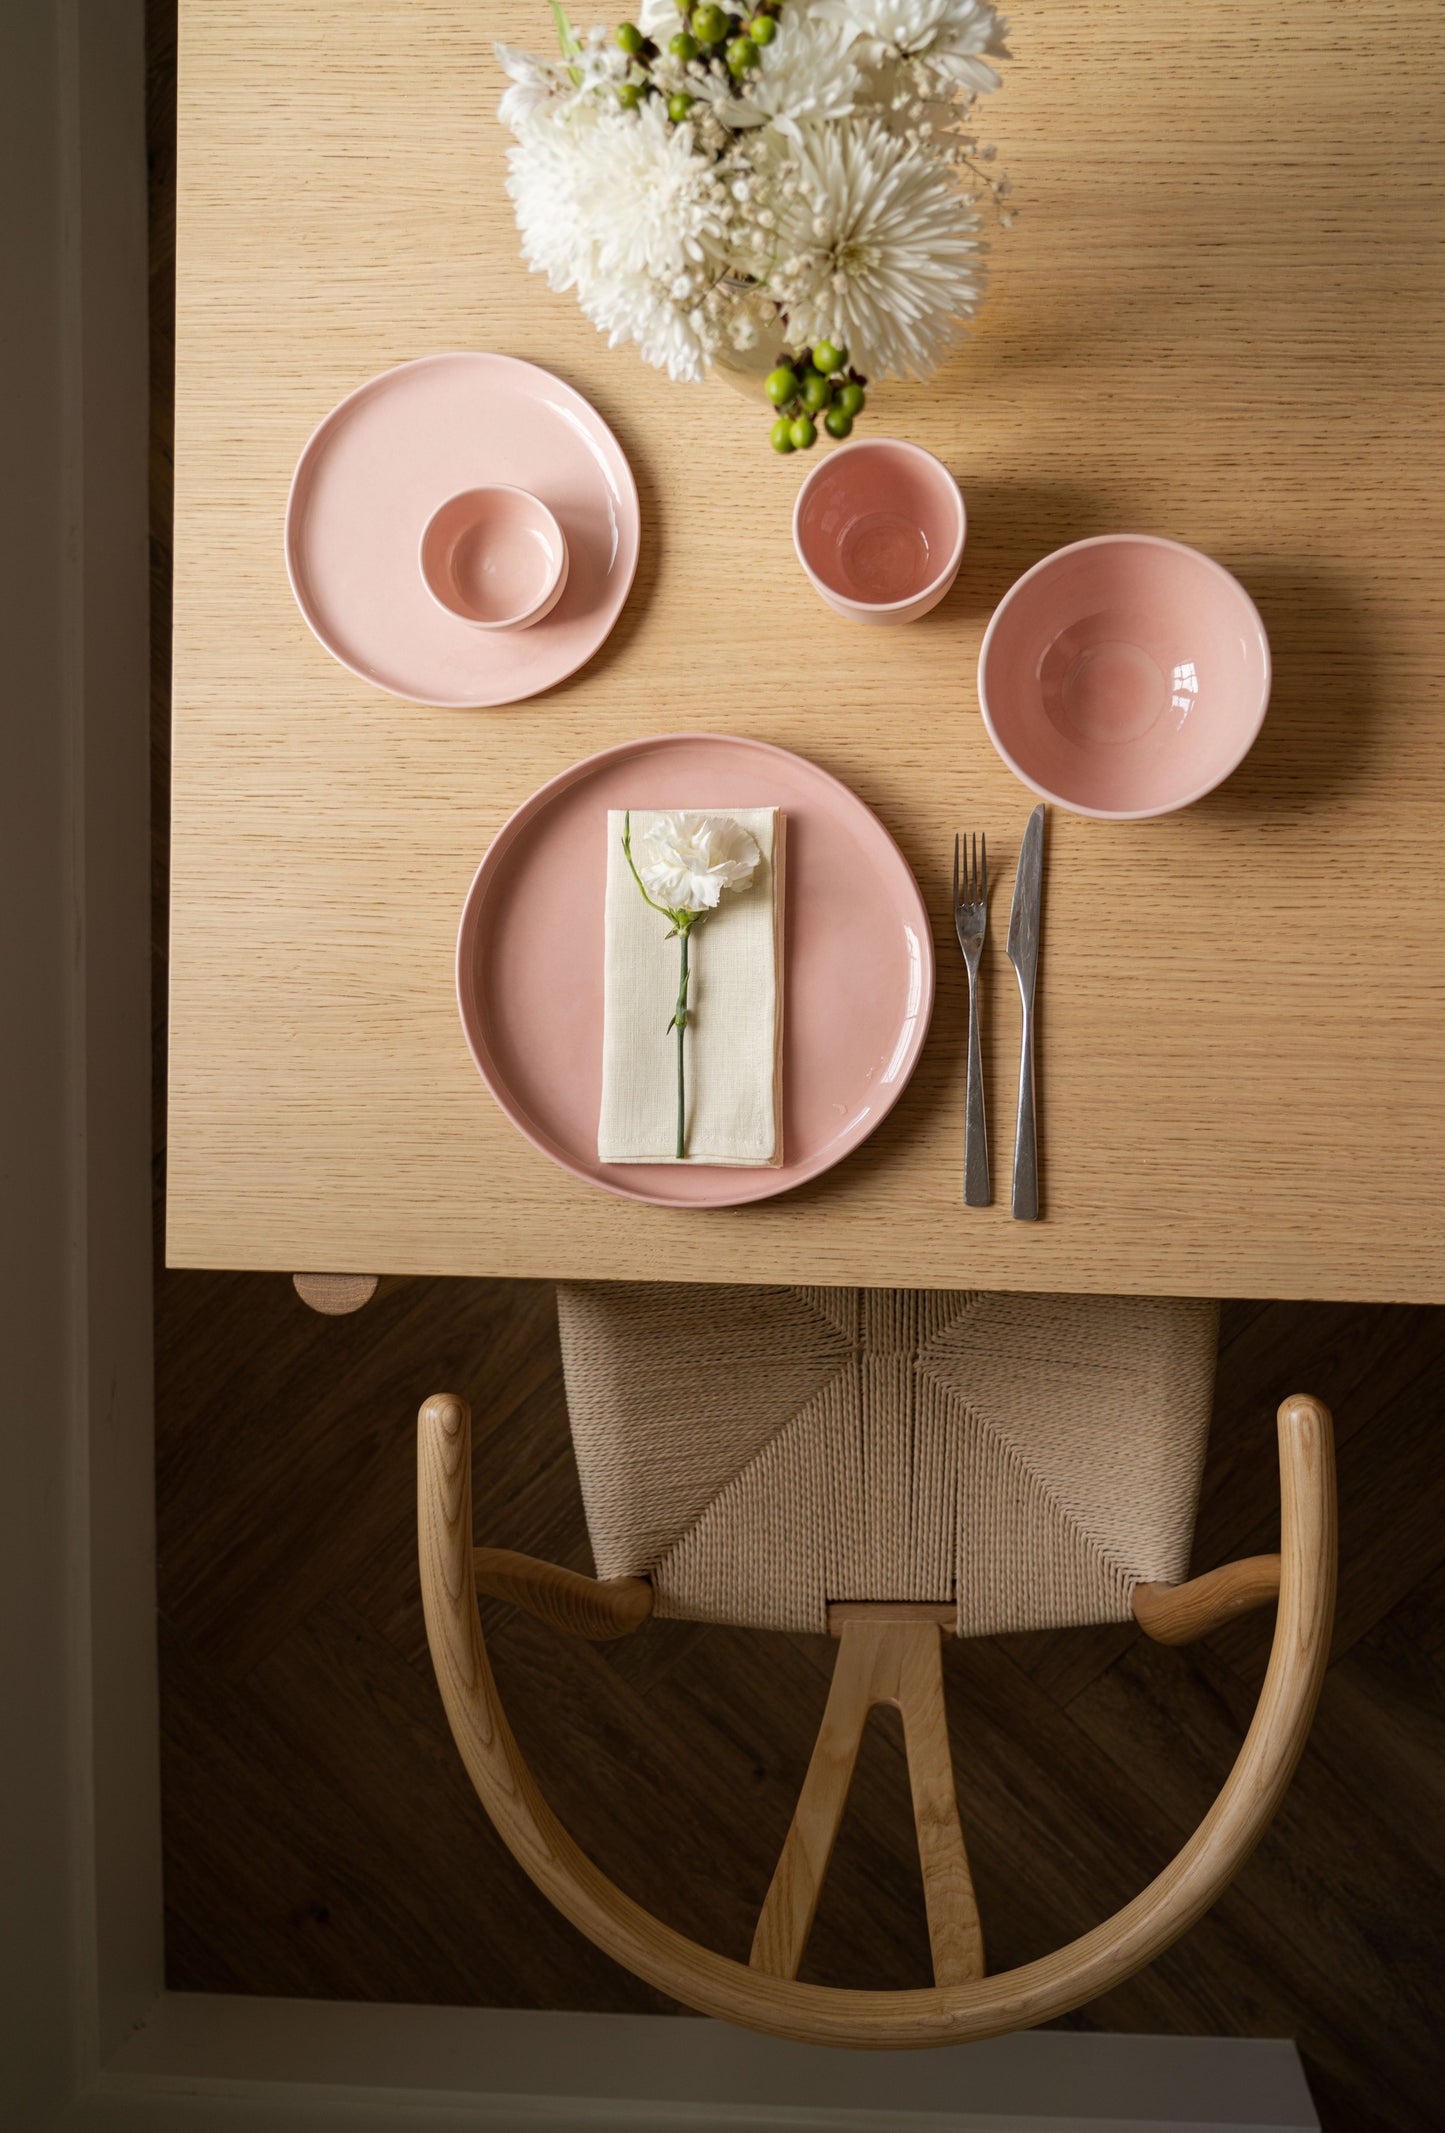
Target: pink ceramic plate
column 376, row 470
column 858, row 983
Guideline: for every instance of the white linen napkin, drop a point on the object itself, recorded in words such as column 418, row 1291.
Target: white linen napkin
column 735, row 1014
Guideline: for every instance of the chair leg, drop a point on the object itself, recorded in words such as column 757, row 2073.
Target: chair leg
column 880, row 1660
column 955, row 1934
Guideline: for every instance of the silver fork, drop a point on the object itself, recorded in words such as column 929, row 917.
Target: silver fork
column 970, row 920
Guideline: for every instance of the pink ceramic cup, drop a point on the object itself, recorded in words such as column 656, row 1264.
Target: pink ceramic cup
column 1124, row 676
column 494, row 557
column 879, row 528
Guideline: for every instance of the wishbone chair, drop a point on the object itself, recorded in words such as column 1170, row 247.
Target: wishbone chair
column 889, row 1650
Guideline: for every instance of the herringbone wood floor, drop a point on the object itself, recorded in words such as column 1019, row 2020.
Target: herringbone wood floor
column 321, row 1838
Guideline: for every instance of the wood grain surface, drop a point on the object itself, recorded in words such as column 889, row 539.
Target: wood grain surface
column 1215, row 319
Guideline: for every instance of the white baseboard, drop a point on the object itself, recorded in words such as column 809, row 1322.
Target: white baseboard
column 285, row 2063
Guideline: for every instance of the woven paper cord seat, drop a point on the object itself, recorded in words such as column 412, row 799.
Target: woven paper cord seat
column 759, row 1452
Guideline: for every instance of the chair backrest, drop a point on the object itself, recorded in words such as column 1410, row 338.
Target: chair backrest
column 878, row 1662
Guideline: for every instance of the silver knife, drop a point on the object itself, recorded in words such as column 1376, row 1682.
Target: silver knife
column 1023, row 953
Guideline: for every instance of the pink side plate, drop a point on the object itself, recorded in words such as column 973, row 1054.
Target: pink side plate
column 379, row 466
column 858, row 960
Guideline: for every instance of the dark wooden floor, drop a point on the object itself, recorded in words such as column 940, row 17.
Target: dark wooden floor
column 321, row 1838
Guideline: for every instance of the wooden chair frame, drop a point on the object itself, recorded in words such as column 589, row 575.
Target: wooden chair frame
column 883, row 1657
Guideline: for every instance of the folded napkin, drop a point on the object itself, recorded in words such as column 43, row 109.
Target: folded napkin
column 734, row 1029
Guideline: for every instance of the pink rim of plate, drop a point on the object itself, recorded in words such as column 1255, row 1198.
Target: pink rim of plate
column 937, row 585
column 1131, row 814
column 837, row 843
column 577, row 468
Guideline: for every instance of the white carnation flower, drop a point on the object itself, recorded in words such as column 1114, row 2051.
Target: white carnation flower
column 884, row 251
column 948, row 37
column 685, row 861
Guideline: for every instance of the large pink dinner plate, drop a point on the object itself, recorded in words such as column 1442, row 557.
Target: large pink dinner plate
column 858, row 960
column 378, row 467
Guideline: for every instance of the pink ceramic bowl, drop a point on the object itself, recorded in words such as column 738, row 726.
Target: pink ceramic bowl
column 878, row 527
column 495, row 557
column 1124, row 676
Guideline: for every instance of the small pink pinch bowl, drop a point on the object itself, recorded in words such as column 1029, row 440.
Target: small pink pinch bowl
column 879, row 527
column 494, row 557
column 1124, row 676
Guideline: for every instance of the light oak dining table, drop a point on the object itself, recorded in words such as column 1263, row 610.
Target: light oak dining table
column 1216, row 318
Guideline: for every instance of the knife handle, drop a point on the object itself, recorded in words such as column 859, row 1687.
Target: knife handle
column 1026, row 1155
column 976, row 1191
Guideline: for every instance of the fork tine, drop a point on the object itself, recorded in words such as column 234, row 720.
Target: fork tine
column 955, row 870
column 983, row 893
column 973, row 872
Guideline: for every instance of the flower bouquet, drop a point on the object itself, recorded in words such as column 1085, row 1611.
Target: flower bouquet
column 795, row 184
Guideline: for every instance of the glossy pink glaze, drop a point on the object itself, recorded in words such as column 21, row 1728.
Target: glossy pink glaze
column 495, row 556
column 858, row 960
column 1124, row 676
column 378, row 467
column 879, row 529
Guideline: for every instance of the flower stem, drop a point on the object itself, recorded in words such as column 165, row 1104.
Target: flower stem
column 679, row 1017
column 632, row 865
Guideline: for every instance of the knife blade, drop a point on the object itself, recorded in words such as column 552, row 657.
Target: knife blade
column 1023, row 953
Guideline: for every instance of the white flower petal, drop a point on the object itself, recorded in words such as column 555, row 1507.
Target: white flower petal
column 685, row 861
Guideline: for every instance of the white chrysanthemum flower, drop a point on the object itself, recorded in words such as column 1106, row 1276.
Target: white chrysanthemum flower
column 620, row 207
column 685, row 861
column 804, row 76
column 884, row 254
column 678, row 338
column 949, row 37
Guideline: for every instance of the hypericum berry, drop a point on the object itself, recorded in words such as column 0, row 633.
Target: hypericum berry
column 630, row 37
column 836, row 423
column 781, row 385
column 684, row 46
column 782, row 435
column 710, row 24
column 742, row 54
column 803, row 434
column 852, row 400
column 678, row 106
column 816, row 391
column 762, row 29
column 829, row 356
column 629, row 95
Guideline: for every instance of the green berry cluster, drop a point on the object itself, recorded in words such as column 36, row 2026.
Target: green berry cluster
column 817, row 384
column 733, row 36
